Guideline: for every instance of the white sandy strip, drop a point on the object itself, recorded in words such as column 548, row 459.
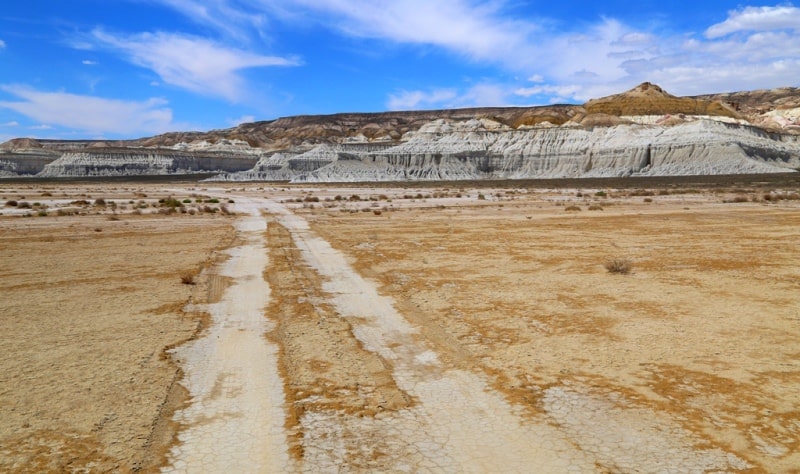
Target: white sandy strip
column 459, row 424
column 235, row 422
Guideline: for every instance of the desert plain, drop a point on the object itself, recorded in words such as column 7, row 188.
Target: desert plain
column 450, row 327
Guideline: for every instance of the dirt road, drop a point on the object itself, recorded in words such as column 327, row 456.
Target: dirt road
column 455, row 421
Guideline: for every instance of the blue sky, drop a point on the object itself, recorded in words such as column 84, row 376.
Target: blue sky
column 132, row 68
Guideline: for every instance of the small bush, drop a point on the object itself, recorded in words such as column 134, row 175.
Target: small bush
column 595, row 207
column 12, row 203
column 621, row 266
column 187, row 278
column 481, row 197
column 648, row 199
column 572, row 208
column 355, row 197
column 99, row 202
column 24, row 205
column 600, row 194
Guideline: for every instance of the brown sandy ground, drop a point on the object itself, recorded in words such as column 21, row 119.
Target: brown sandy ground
column 89, row 304
column 705, row 329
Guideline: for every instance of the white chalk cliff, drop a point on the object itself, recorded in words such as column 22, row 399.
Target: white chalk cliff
column 642, row 132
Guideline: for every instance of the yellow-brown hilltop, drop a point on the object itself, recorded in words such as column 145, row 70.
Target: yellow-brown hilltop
column 650, row 99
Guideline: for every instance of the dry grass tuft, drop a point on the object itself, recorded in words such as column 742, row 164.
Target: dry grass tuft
column 620, row 266
column 187, row 278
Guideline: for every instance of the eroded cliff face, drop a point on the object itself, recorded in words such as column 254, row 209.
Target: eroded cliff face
column 448, row 151
column 644, row 131
column 143, row 162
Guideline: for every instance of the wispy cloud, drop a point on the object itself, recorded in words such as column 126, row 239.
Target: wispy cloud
column 196, row 64
column 89, row 62
column 410, row 100
column 757, row 19
column 12, row 123
column 231, row 18
column 484, row 94
column 90, row 114
column 2, row 44
column 750, row 47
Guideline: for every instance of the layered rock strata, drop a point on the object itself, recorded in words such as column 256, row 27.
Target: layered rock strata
column 644, row 131
column 447, row 151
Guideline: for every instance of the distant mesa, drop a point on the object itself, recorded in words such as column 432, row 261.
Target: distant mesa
column 645, row 131
column 650, row 99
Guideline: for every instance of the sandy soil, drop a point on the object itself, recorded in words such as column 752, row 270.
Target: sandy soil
column 88, row 307
column 421, row 329
column 703, row 334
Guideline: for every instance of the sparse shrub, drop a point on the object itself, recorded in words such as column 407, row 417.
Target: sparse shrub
column 600, row 194
column 99, row 202
column 46, row 194
column 740, row 198
column 187, row 278
column 621, row 266
column 355, row 197
column 572, row 208
column 187, row 201
column 224, row 209
column 24, row 205
column 481, row 197
column 42, row 213
column 113, row 217
column 213, row 201
column 170, row 202
column 595, row 207
column 383, row 197
column 12, row 203
column 648, row 199
column 377, row 212
column 311, row 199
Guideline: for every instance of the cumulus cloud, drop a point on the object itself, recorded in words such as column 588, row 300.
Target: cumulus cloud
column 757, row 19
column 88, row 113
column 196, row 64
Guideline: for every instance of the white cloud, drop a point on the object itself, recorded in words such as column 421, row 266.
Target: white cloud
column 415, row 100
column 232, row 20
column 196, row 64
column 90, row 114
column 479, row 95
column 757, row 19
column 242, row 119
column 753, row 47
column 12, row 123
column 89, row 62
column 42, row 126
column 2, row 44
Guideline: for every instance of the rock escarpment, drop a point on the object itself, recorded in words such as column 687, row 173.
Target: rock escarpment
column 644, row 131
column 442, row 151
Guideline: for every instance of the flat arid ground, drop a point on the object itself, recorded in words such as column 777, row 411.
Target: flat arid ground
column 173, row 327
